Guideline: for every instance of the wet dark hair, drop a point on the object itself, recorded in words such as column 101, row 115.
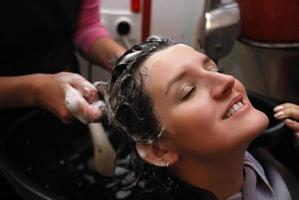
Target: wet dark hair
column 130, row 110
column 131, row 107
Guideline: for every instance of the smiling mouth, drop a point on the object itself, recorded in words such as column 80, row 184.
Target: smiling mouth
column 234, row 108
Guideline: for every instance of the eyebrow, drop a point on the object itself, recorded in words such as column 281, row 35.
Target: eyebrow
column 182, row 74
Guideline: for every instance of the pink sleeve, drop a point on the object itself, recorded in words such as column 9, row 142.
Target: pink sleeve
column 89, row 27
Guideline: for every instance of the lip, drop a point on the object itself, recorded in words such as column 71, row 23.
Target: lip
column 234, row 101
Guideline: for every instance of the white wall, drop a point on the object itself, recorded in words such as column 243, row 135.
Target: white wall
column 176, row 18
column 116, row 4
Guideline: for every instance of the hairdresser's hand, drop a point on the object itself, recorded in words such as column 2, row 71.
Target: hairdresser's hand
column 290, row 112
column 69, row 95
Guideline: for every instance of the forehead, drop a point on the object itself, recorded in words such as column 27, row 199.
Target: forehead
column 169, row 55
column 166, row 63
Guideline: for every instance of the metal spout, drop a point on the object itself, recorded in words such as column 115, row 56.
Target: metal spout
column 218, row 27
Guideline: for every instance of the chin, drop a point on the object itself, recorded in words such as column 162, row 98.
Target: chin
column 252, row 127
column 264, row 120
column 258, row 123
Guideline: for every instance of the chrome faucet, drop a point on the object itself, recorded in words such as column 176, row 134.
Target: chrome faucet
column 218, row 27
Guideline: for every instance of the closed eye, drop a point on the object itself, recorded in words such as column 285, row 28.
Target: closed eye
column 220, row 70
column 214, row 68
column 188, row 92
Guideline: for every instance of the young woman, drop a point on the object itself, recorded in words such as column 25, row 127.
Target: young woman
column 190, row 124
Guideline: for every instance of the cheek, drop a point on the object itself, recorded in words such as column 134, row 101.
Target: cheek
column 192, row 130
column 192, row 116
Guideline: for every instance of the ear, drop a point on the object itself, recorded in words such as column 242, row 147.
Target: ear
column 157, row 154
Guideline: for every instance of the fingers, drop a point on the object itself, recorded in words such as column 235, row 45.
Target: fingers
column 88, row 90
column 100, row 105
column 287, row 110
column 81, row 97
column 79, row 107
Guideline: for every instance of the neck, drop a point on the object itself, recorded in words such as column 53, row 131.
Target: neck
column 222, row 176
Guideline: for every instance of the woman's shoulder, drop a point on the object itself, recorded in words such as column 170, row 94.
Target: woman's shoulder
column 277, row 174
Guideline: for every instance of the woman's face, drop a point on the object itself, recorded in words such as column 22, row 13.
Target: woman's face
column 205, row 113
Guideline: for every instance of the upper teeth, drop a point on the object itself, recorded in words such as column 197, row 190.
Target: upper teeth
column 237, row 106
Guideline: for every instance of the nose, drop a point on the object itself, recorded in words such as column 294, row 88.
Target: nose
column 222, row 85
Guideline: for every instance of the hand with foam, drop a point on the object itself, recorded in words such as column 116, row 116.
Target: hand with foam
column 81, row 97
column 67, row 95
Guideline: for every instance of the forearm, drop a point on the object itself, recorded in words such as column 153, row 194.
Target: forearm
column 104, row 51
column 17, row 91
column 64, row 94
column 93, row 39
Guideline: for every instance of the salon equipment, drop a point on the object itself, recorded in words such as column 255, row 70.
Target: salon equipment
column 104, row 153
column 277, row 138
column 276, row 131
column 43, row 159
column 218, row 27
column 273, row 22
column 257, row 42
